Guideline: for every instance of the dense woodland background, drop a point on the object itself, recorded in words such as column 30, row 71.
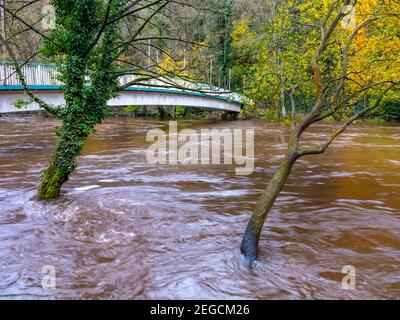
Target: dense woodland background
column 260, row 48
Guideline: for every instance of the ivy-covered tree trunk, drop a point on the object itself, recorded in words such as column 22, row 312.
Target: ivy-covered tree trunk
column 70, row 142
column 85, row 48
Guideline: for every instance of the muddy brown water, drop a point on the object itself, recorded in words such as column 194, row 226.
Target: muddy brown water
column 124, row 229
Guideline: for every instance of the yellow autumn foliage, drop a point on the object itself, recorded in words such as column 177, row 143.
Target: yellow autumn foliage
column 376, row 48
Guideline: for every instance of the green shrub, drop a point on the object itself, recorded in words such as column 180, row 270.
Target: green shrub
column 131, row 110
column 389, row 110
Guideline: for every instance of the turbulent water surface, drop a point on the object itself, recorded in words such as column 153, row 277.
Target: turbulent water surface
column 127, row 229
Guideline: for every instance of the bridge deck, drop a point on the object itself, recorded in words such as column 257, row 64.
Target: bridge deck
column 41, row 80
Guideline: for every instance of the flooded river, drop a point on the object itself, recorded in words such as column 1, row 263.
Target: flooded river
column 125, row 229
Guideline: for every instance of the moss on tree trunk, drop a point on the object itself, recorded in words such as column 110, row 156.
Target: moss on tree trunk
column 63, row 162
column 52, row 180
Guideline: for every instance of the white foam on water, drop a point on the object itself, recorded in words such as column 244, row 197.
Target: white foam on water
column 86, row 188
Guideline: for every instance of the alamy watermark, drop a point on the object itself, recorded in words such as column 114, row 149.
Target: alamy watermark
column 49, row 277
column 349, row 280
column 204, row 147
column 349, row 20
column 48, row 16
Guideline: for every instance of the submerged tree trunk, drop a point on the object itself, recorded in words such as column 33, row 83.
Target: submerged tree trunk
column 161, row 112
column 252, row 234
column 63, row 162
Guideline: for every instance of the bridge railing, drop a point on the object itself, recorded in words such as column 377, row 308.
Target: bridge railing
column 34, row 74
column 45, row 74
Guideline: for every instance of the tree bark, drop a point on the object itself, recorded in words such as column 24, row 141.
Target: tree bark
column 161, row 112
column 63, row 162
column 252, row 234
column 283, row 110
column 277, row 109
column 293, row 103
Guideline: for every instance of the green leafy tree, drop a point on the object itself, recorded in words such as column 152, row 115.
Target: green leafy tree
column 221, row 41
column 283, row 55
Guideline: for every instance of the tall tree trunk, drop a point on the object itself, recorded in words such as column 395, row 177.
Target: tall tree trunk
column 63, row 162
column 161, row 112
column 174, row 112
column 252, row 234
column 284, row 113
column 277, row 109
column 293, row 103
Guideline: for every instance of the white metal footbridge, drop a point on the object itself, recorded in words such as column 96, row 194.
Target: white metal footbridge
column 42, row 80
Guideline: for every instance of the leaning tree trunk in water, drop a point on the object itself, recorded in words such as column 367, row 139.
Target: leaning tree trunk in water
column 334, row 101
column 89, row 77
column 63, row 162
column 252, row 234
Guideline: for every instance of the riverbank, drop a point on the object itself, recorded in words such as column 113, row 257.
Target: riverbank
column 153, row 113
